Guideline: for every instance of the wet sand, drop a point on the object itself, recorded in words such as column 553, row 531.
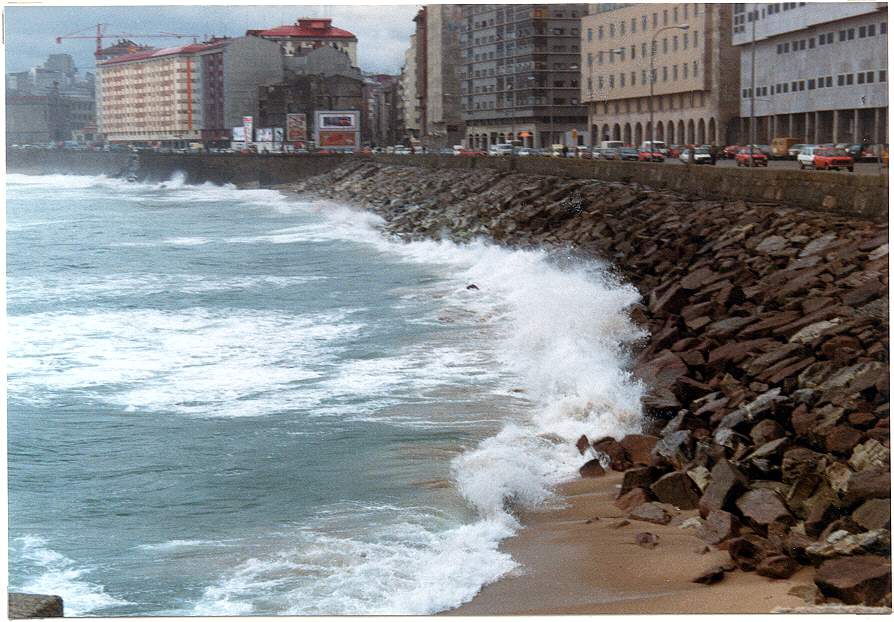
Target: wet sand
column 571, row 567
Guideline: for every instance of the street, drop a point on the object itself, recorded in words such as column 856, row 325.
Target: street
column 861, row 168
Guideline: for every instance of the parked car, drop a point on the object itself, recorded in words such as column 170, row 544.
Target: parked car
column 658, row 146
column 699, row 155
column 872, row 153
column 628, row 153
column 832, row 160
column 674, row 151
column 794, row 150
column 403, row 151
column 471, row 153
column 729, row 152
column 751, row 155
column 607, row 153
column 805, row 156
column 583, row 151
column 503, row 149
column 525, row 152
column 650, row 156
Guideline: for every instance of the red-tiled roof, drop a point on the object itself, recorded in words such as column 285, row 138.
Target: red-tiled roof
column 307, row 28
column 191, row 48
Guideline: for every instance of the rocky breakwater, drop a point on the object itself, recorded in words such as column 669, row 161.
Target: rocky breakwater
column 767, row 366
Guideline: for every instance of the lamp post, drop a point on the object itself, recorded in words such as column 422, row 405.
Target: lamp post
column 652, row 85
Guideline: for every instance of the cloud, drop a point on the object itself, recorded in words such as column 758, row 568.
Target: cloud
column 383, row 31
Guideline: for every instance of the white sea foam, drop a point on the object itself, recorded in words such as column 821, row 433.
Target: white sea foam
column 55, row 573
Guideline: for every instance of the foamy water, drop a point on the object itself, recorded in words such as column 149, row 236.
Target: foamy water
column 273, row 409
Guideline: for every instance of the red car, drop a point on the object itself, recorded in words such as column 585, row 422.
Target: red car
column 653, row 156
column 471, row 153
column 745, row 155
column 730, row 151
column 832, row 159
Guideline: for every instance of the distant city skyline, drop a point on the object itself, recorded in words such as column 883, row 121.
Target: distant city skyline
column 383, row 31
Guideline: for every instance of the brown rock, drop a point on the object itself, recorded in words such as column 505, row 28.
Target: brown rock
column 841, row 439
column 800, row 461
column 678, row 490
column 615, row 452
column 22, row 606
column 868, row 484
column 639, row 447
column 640, row 477
column 777, row 567
column 719, row 527
column 671, row 301
column 593, row 468
column 748, row 551
column 874, row 514
column 761, row 507
column 633, row 498
column 651, row 513
column 861, row 420
column 583, row 444
column 855, row 580
column 727, row 483
column 646, row 540
column 673, row 449
column 710, row 576
column 735, row 352
column 766, row 431
column 802, row 420
column 697, row 279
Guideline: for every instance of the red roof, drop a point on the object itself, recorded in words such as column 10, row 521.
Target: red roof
column 307, row 28
column 191, row 48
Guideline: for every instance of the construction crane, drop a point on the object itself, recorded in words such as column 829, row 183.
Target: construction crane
column 100, row 33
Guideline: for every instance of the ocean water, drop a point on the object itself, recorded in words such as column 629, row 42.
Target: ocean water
column 231, row 402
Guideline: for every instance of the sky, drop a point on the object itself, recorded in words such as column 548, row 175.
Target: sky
column 383, row 31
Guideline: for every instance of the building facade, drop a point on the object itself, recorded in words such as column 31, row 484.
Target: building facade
column 677, row 58
column 309, row 33
column 520, row 73
column 409, row 102
column 380, row 110
column 184, row 94
column 307, row 94
column 820, row 71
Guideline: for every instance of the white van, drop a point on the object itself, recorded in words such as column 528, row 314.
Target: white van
column 611, row 144
column 503, row 149
column 805, row 156
column 660, row 146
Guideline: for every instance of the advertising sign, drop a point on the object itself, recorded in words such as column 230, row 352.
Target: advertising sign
column 333, row 138
column 338, row 120
column 277, row 135
column 264, row 135
column 296, row 127
column 239, row 134
column 248, row 123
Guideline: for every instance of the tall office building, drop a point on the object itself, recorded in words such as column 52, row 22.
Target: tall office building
column 685, row 49
column 820, row 70
column 520, row 74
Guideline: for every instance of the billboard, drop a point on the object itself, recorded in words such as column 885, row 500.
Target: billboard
column 338, row 120
column 338, row 129
column 296, row 127
column 239, row 134
column 334, row 138
column 277, row 135
column 264, row 135
column 248, row 124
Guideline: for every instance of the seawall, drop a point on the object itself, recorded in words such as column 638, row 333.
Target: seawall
column 845, row 194
column 767, row 365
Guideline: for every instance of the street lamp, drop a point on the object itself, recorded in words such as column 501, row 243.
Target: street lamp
column 652, row 86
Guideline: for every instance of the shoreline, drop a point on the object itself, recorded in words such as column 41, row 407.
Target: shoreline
column 570, row 566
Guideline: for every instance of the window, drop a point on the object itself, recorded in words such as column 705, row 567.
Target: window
column 632, row 78
column 676, row 14
column 611, row 81
column 828, row 81
column 623, row 77
column 861, row 78
column 822, row 39
column 820, row 83
column 841, row 80
column 695, row 69
column 611, row 30
column 842, row 35
column 772, row 90
column 785, row 47
column 785, row 87
column 643, row 76
column 830, row 38
column 685, row 11
column 871, row 32
column 675, row 72
column 695, row 39
column 779, row 48
column 685, row 40
column 862, row 32
column 849, row 80
column 589, row 59
column 589, row 34
column 632, row 24
column 800, row 85
column 882, row 75
column 664, row 16
column 644, row 50
column 812, row 43
column 870, row 77
column 664, row 73
column 676, row 43
column 645, row 22
column 654, row 20
column 599, row 57
column 664, row 45
column 811, row 85
column 632, row 52
column 685, row 71
column 850, row 34
column 794, row 86
column 883, row 28
column 600, row 32
column 621, row 27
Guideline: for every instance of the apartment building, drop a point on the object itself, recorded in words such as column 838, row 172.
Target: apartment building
column 520, row 73
column 409, row 102
column 677, row 58
column 309, row 33
column 819, row 71
column 186, row 93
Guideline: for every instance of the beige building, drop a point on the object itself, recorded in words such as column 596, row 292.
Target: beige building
column 409, row 100
column 696, row 72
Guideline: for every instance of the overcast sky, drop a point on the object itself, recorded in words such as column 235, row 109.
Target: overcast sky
column 383, row 31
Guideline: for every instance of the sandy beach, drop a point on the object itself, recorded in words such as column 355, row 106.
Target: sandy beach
column 572, row 566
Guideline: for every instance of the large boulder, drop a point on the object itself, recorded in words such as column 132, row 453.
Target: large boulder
column 677, row 489
column 639, row 448
column 22, row 606
column 719, row 527
column 855, row 580
column 727, row 483
column 651, row 513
